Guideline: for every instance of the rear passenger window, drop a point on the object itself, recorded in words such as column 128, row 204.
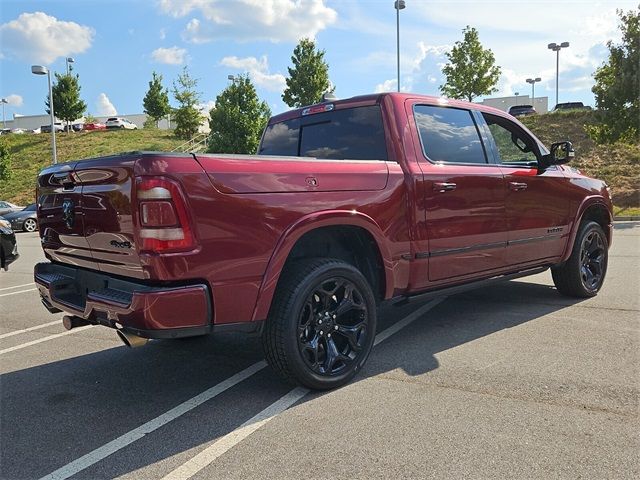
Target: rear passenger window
column 353, row 134
column 449, row 135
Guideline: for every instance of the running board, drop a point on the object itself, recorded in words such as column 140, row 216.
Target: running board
column 446, row 291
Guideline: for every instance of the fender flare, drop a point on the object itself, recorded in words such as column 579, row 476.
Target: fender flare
column 587, row 203
column 304, row 225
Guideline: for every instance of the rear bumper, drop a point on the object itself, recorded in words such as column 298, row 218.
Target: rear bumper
column 147, row 311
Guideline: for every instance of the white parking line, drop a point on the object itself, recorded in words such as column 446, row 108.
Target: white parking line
column 136, row 434
column 15, row 293
column 207, row 456
column 224, row 443
column 40, row 340
column 30, row 329
column 16, row 286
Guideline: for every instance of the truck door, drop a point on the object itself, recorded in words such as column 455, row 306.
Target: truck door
column 464, row 194
column 536, row 203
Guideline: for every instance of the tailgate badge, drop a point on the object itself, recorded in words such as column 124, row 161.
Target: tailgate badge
column 68, row 215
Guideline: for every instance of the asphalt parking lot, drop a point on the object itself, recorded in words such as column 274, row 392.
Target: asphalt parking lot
column 510, row 381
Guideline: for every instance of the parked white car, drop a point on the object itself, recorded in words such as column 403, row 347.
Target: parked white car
column 119, row 122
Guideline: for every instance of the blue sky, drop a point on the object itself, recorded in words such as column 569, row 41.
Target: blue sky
column 118, row 43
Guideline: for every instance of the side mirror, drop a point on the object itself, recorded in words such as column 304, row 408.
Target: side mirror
column 561, row 152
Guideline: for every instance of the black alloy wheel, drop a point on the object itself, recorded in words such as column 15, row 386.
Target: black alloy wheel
column 592, row 257
column 332, row 326
column 322, row 323
column 583, row 274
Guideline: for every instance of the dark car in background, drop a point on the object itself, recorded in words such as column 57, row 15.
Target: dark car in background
column 522, row 110
column 571, row 106
column 8, row 245
column 25, row 219
column 6, row 208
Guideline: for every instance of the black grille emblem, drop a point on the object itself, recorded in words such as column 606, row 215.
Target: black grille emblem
column 68, row 216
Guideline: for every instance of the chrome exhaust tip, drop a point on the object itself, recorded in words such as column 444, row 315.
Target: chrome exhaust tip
column 71, row 321
column 131, row 340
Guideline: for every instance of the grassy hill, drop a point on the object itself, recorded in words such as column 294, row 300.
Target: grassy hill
column 618, row 165
column 31, row 153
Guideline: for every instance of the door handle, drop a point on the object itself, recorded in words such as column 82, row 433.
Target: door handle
column 444, row 187
column 517, row 186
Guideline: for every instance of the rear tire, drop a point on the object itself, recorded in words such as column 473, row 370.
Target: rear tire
column 322, row 324
column 582, row 275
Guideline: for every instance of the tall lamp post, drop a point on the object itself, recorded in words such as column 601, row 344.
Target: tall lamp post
column 4, row 101
column 516, row 94
column 41, row 70
column 533, row 81
column 68, row 61
column 556, row 48
column 398, row 5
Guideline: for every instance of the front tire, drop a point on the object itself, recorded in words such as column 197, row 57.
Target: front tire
column 582, row 275
column 322, row 324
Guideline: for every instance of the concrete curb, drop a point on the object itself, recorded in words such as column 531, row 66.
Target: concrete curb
column 626, row 219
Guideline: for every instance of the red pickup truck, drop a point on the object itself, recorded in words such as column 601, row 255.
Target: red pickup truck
column 347, row 204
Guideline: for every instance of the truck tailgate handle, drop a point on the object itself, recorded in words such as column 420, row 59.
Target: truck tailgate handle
column 517, row 186
column 444, row 187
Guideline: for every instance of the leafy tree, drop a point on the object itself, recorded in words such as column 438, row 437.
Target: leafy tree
column 5, row 162
column 617, row 87
column 309, row 77
column 238, row 119
column 187, row 118
column 88, row 118
column 67, row 104
column 156, row 101
column 471, row 70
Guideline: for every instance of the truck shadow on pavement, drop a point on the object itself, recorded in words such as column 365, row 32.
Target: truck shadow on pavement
column 54, row 413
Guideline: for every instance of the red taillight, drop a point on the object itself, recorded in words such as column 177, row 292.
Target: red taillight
column 163, row 219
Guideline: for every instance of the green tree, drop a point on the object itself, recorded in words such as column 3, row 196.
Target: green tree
column 471, row 70
column 617, row 87
column 156, row 101
column 67, row 104
column 309, row 77
column 238, row 119
column 5, row 162
column 187, row 118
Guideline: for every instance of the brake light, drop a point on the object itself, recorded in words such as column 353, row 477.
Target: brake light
column 163, row 219
column 326, row 107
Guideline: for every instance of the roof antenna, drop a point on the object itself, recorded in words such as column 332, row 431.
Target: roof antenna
column 329, row 97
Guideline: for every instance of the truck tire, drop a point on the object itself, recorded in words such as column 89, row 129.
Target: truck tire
column 582, row 275
column 321, row 325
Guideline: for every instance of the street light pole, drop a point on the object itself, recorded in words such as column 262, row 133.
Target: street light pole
column 398, row 5
column 533, row 81
column 4, row 123
column 40, row 70
column 68, row 61
column 556, row 48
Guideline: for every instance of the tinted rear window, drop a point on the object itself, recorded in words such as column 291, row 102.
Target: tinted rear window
column 354, row 133
column 448, row 135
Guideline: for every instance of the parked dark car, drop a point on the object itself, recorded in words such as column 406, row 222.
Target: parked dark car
column 8, row 245
column 26, row 219
column 6, row 208
column 571, row 106
column 522, row 110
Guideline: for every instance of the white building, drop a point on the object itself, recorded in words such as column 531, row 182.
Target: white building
column 541, row 104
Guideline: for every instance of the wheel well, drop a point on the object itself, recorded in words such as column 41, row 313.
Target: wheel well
column 598, row 213
column 353, row 245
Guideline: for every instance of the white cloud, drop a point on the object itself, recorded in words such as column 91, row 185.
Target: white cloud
column 104, row 107
column 387, row 86
column 258, row 70
column 244, row 20
column 38, row 37
column 169, row 56
column 163, row 33
column 206, row 107
column 14, row 100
